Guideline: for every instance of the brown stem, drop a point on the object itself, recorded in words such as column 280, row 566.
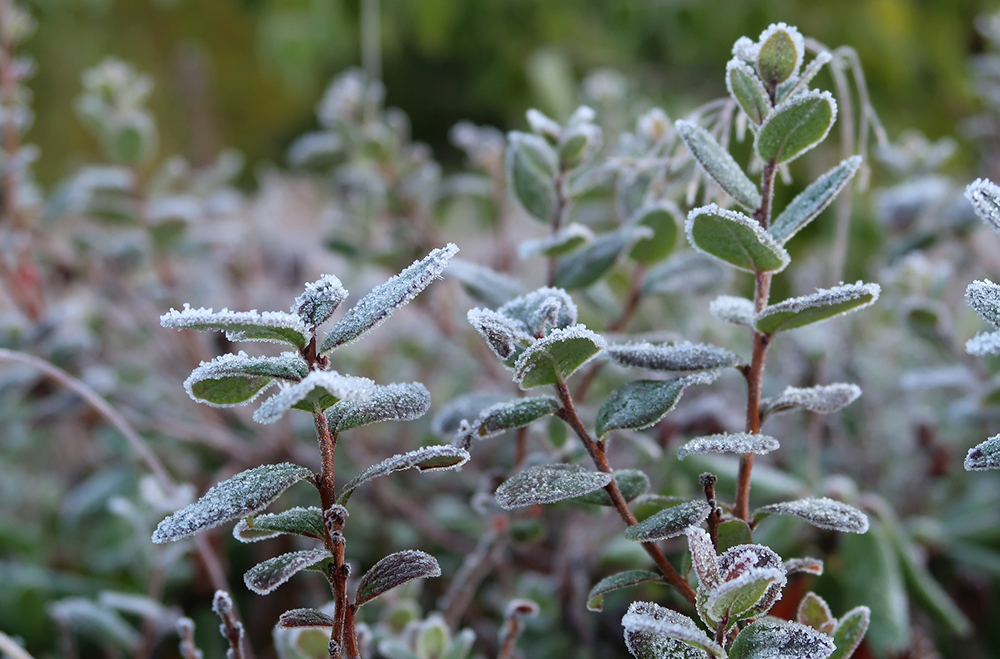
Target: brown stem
column 326, row 481
column 596, row 451
column 708, row 484
column 231, row 628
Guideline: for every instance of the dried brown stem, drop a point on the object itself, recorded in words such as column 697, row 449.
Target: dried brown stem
column 708, row 484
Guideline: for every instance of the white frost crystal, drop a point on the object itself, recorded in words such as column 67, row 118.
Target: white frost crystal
column 824, row 303
column 426, row 458
column 548, row 484
column 985, row 197
column 502, row 334
column 984, row 456
column 654, row 631
column 272, row 326
column 821, row 399
column 340, row 387
column 984, row 343
column 683, row 356
column 733, row 310
column 741, row 442
column 265, row 577
column 289, row 366
column 403, row 401
column 320, row 299
column 984, row 298
column 822, row 512
column 553, row 306
column 395, row 570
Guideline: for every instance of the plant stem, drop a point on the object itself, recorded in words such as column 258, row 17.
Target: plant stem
column 596, row 451
column 708, row 484
column 558, row 218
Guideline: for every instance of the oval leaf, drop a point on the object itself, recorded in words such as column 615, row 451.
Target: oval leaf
column 565, row 241
column 319, row 300
column 484, row 284
column 644, row 403
column 393, row 402
column 265, row 577
column 822, row 512
column 740, row 598
column 548, row 484
column 739, row 442
column 557, row 356
column 395, row 570
column 583, row 268
column 849, row 632
column 314, row 393
column 780, row 639
column 744, row 86
column 810, row 202
column 427, row 458
column 662, row 220
column 530, row 164
column 821, row 399
column 653, row 631
column 779, row 54
column 985, row 198
column 984, row 456
column 984, row 298
column 304, row 618
column 823, row 304
column 247, row 493
column 718, row 164
column 541, row 311
column 814, row 612
column 735, row 239
column 307, row 522
column 685, row 356
column 270, row 326
column 737, row 311
column 505, row 337
column 795, row 126
column 511, row 415
column 595, row 599
column 631, row 482
column 238, row 379
column 703, row 558
column 669, row 522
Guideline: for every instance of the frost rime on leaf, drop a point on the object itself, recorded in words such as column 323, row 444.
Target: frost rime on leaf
column 684, row 356
column 316, row 392
column 265, row 577
column 319, row 300
column 511, row 415
column 618, row 581
column 736, row 239
column 272, row 326
column 551, row 307
column 403, row 401
column 985, row 343
column 985, row 197
column 395, row 570
column 557, row 356
column 548, row 484
column 719, row 164
column 380, row 303
column 823, row 304
column 821, row 399
column 779, row 639
column 984, row 456
column 984, row 298
column 810, row 202
column 503, row 335
column 448, row 419
column 669, row 522
column 304, row 618
column 643, row 403
column 733, row 310
column 306, row 522
column 427, row 458
column 741, row 442
column 822, row 512
column 239, row 379
column 652, row 631
column 245, row 494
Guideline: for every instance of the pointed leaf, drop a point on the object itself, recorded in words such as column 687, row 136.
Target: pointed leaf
column 484, row 284
column 644, row 403
column 314, row 393
column 814, row 612
column 618, row 581
column 247, row 493
column 662, row 220
column 271, row 326
column 557, row 356
column 427, row 458
column 718, row 164
column 810, row 202
column 849, row 632
column 586, row 266
column 823, row 512
column 821, row 399
column 669, row 522
column 306, row 522
column 543, row 484
column 565, row 241
column 541, row 311
column 319, row 300
column 653, row 631
column 531, row 165
column 304, row 618
column 685, row 356
column 687, row 273
column 984, row 298
column 383, row 300
column 737, row 311
column 795, row 126
column 746, row 88
column 265, row 577
column 505, row 337
column 395, row 570
column 823, row 304
column 740, row 597
column 780, row 639
column 511, row 415
column 985, row 198
column 984, row 456
column 735, row 239
column 632, row 483
column 238, row 379
column 780, row 53
column 403, row 401
column 740, row 442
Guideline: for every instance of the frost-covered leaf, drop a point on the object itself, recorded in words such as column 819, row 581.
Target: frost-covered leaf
column 531, row 165
column 586, row 266
column 319, row 300
column 426, row 458
column 316, row 151
column 849, row 632
column 95, row 622
column 272, row 326
column 741, row 596
column 383, row 300
column 395, row 570
column 468, row 406
column 644, row 403
column 795, row 126
column 578, row 145
column 486, row 285
column 669, row 522
column 403, row 401
column 986, row 343
column 541, row 310
column 307, row 522
column 314, row 393
column 548, row 484
column 814, row 612
column 304, row 618
column 247, row 493
column 565, row 241
column 138, row 605
column 737, row 311
column 265, row 577
column 733, row 532
column 738, row 442
column 735, row 239
column 984, row 298
column 985, row 197
column 810, row 202
column 618, row 581
column 821, row 399
column 511, row 415
column 780, row 639
column 687, row 273
column 823, row 304
column 746, row 88
column 822, row 512
column 557, row 356
column 718, row 164
column 631, row 482
column 779, row 53
column 238, row 379
column 806, row 565
column 662, row 219
column 685, row 356
column 506, row 337
column 653, row 631
column 703, row 558
column 984, row 456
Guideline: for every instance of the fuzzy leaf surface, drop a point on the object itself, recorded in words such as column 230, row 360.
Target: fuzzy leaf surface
column 780, row 639
column 984, row 298
column 304, row 618
column 669, row 522
column 810, row 202
column 513, row 414
column 247, row 493
column 654, row 631
column 306, row 522
column 238, row 379
column 984, row 456
column 557, row 356
column 795, row 126
column 505, row 337
column 319, row 300
column 814, row 612
column 685, row 356
column 265, row 577
column 644, row 403
column 314, row 393
column 779, row 54
column 703, row 558
column 821, row 512
column 738, row 598
column 404, row 401
column 738, row 442
column 395, row 570
column 735, row 239
column 427, row 458
column 618, row 581
column 823, row 304
column 586, row 266
column 984, row 195
column 662, row 220
column 269, row 326
column 850, row 631
column 718, row 164
column 821, row 399
column 746, row 88
column 544, row 484
column 632, row 483
column 541, row 310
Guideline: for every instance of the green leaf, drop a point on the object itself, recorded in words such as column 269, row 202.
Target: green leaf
column 505, row 337
column 631, row 482
column 821, row 512
column 644, row 403
column 740, row 442
column 719, row 165
column 733, row 532
column 247, row 493
column 427, row 458
column 687, row 273
column 531, row 165
column 669, row 522
column 511, row 415
column 618, row 581
column 849, row 632
column 578, row 145
column 704, row 561
column 557, row 356
column 662, row 220
column 780, row 639
column 271, row 326
column 984, row 298
column 314, row 393
column 795, row 126
column 383, row 300
column 586, row 266
column 683, row 356
column 652, row 631
column 814, row 612
column 985, row 198
column 984, row 456
column 565, row 241
column 810, row 202
column 779, row 54
column 265, row 577
column 395, row 570
column 541, row 311
column 449, row 418
column 544, row 484
column 735, row 239
column 319, row 300
column 238, row 379
column 95, row 622
column 304, row 618
column 744, row 86
column 739, row 597
column 823, row 304
column 821, row 399
column 403, row 401
column 484, row 284
column 734, row 310
column 306, row 522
